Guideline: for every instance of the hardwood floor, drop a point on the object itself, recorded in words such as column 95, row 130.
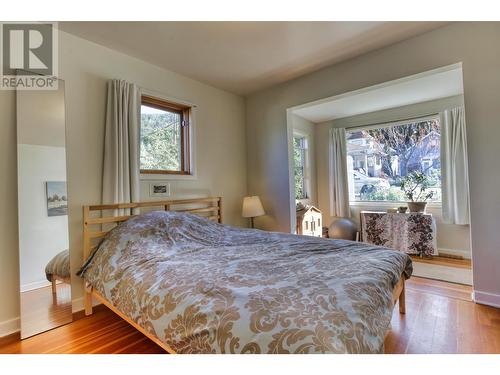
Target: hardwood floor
column 440, row 318
column 103, row 332
column 441, row 288
column 41, row 310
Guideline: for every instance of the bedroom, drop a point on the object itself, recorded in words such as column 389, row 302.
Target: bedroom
column 231, row 141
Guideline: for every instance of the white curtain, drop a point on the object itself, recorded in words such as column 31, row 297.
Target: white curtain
column 339, row 191
column 454, row 170
column 121, row 144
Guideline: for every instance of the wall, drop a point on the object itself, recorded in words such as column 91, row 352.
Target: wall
column 9, row 270
column 476, row 46
column 41, row 117
column 41, row 236
column 86, row 67
column 453, row 239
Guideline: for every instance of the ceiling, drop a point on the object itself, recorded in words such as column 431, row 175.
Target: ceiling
column 244, row 57
column 435, row 84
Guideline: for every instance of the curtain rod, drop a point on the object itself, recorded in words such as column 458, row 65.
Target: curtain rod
column 390, row 123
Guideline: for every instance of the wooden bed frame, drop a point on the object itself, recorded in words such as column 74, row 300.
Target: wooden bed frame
column 211, row 208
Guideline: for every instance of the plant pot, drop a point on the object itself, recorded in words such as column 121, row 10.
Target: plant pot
column 417, row 206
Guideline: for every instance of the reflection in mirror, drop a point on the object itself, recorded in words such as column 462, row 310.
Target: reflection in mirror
column 43, row 219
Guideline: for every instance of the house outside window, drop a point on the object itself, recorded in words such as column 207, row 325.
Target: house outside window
column 300, row 166
column 164, row 137
column 378, row 157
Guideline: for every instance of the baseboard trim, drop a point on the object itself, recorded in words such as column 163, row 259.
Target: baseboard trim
column 81, row 314
column 485, row 298
column 10, row 327
column 455, row 252
column 77, row 305
column 9, row 339
column 35, row 285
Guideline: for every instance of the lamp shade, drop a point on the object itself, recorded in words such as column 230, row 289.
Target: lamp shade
column 252, row 207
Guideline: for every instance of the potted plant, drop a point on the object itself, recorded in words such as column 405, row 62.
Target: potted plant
column 415, row 186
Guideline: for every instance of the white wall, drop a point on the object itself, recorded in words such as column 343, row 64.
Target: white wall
column 454, row 239
column 86, row 67
column 9, row 253
column 476, row 46
column 40, row 117
column 41, row 236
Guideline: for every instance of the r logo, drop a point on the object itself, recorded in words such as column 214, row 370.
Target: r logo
column 27, row 46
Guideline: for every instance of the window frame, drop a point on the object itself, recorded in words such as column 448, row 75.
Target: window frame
column 185, row 112
column 382, row 125
column 305, row 173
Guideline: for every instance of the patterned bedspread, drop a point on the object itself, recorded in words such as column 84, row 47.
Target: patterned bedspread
column 203, row 287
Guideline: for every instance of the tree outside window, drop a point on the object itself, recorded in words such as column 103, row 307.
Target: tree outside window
column 164, row 143
column 379, row 157
column 299, row 159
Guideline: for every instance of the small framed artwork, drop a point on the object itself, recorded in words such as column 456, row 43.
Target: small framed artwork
column 57, row 198
column 159, row 189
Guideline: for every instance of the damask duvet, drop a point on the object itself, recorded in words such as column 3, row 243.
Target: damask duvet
column 203, row 287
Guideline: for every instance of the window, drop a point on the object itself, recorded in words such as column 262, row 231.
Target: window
column 377, row 159
column 164, row 137
column 299, row 159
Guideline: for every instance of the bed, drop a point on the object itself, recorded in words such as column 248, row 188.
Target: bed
column 58, row 269
column 193, row 285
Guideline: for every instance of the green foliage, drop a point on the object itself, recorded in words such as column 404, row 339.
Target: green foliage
column 161, row 141
column 435, row 178
column 298, row 160
column 415, row 185
column 393, row 194
column 299, row 186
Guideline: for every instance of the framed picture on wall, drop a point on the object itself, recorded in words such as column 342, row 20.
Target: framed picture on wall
column 57, row 198
column 159, row 189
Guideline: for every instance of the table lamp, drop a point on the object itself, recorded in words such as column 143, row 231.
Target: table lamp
column 252, row 207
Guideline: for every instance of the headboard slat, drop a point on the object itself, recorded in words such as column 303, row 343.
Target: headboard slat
column 116, row 206
column 211, row 211
column 112, row 219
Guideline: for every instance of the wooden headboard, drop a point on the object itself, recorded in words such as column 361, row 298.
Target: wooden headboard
column 100, row 219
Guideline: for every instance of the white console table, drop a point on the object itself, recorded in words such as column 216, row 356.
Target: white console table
column 411, row 233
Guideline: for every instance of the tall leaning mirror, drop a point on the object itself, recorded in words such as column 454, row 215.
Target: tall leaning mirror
column 44, row 266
